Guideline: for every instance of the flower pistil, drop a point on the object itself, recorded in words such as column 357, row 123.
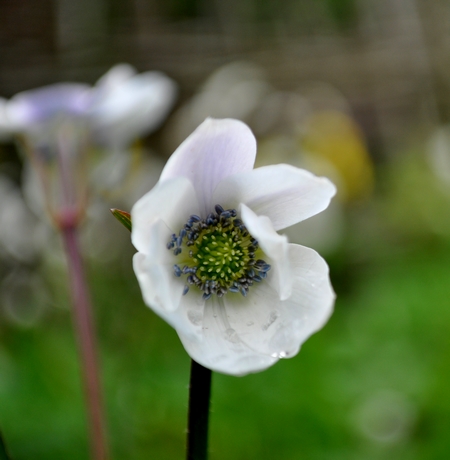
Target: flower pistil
column 219, row 256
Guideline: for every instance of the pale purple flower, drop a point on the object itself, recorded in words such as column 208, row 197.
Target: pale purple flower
column 210, row 261
column 63, row 127
column 120, row 107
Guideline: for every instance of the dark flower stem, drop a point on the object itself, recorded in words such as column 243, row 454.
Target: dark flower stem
column 86, row 342
column 3, row 452
column 199, row 397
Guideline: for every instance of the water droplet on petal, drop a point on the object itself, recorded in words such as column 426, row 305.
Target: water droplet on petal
column 250, row 323
column 274, row 315
column 231, row 336
column 195, row 317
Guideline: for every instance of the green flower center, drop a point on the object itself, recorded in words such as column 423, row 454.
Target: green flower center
column 218, row 254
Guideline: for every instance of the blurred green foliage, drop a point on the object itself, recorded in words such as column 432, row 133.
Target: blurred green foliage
column 372, row 384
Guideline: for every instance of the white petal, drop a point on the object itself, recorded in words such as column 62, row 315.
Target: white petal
column 172, row 201
column 219, row 348
column 275, row 247
column 115, row 77
column 162, row 290
column 215, row 150
column 283, row 193
column 277, row 328
column 132, row 107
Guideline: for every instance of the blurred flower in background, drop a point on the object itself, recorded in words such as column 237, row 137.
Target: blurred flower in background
column 234, row 90
column 62, row 126
column 80, row 147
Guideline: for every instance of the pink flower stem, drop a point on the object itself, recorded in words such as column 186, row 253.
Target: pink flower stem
column 199, row 397
column 84, row 331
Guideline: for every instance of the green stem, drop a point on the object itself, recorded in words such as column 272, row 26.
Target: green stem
column 199, row 397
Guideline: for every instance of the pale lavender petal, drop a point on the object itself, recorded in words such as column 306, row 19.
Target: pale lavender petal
column 283, row 193
column 39, row 105
column 214, row 151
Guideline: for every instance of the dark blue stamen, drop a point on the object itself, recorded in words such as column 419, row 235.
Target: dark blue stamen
column 211, row 219
column 263, row 268
column 223, row 252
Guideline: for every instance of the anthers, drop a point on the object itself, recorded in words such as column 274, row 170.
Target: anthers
column 217, row 254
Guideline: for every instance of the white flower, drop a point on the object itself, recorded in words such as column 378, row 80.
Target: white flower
column 127, row 105
column 283, row 290
column 120, row 107
column 62, row 126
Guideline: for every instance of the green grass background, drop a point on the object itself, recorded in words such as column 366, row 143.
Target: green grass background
column 389, row 335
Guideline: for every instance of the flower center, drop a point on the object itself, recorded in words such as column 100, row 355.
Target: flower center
column 218, row 254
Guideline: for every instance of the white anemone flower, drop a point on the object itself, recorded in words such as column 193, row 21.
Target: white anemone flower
column 210, row 261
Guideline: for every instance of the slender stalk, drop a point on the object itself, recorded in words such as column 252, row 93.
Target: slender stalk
column 85, row 333
column 199, row 397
